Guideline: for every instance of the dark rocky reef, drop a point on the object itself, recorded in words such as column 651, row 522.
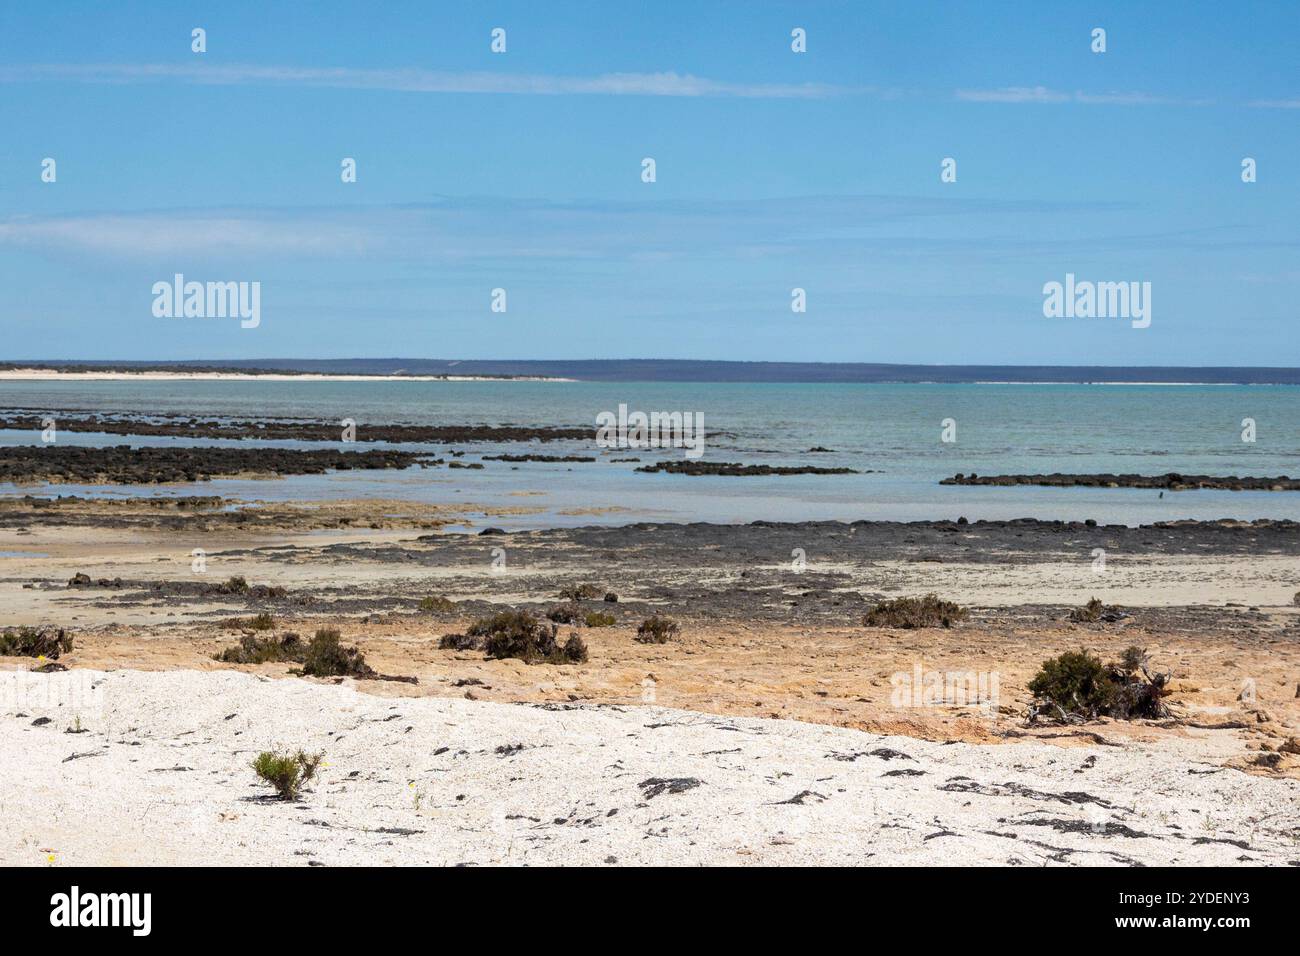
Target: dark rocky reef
column 735, row 469
column 122, row 464
column 1170, row 481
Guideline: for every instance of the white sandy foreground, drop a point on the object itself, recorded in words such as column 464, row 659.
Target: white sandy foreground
column 160, row 774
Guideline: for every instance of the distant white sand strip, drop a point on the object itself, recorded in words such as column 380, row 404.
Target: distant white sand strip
column 160, row 775
column 53, row 375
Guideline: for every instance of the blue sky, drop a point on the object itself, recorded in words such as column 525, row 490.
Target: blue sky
column 775, row 170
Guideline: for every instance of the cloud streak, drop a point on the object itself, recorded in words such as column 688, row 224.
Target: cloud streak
column 1044, row 95
column 427, row 81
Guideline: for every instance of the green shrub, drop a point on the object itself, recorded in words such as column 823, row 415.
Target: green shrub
column 1078, row 685
column 264, row 650
column 438, row 603
column 911, row 612
column 575, row 649
column 1095, row 611
column 657, row 630
column 1088, row 614
column 326, row 657
column 579, row 592
column 35, row 642
column 598, row 619
column 262, row 622
column 286, row 772
column 565, row 614
column 234, row 585
column 460, row 642
column 1076, row 682
column 520, row 635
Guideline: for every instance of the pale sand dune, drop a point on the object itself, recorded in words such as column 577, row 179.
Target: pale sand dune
column 161, row 776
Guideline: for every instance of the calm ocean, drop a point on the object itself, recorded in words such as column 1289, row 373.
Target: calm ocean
column 893, row 430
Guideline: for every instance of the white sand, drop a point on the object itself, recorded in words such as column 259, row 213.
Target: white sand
column 161, row 776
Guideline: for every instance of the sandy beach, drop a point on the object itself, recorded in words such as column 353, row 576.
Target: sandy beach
column 157, row 773
column 772, row 676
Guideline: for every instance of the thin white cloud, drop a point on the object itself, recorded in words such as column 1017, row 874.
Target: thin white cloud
column 1013, row 94
column 487, row 229
column 427, row 81
column 1292, row 104
column 164, row 234
column 1042, row 94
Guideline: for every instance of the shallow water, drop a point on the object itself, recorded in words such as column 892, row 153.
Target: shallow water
column 892, row 430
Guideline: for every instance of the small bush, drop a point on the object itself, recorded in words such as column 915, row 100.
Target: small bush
column 35, row 642
column 657, row 630
column 460, row 642
column 1077, row 685
column 1095, row 611
column 565, row 614
column 326, row 657
column 598, row 619
column 520, row 635
column 1088, row 614
column 580, row 592
column 433, row 604
column 238, row 585
column 264, row 650
column 575, row 649
column 262, row 622
column 612, row 598
column 287, row 773
column 911, row 612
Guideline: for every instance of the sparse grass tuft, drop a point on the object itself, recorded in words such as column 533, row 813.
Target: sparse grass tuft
column 657, row 630
column 35, row 642
column 911, row 612
column 598, row 619
column 286, row 772
column 261, row 622
column 436, row 603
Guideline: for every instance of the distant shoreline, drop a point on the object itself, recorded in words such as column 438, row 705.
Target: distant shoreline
column 643, row 370
column 52, row 375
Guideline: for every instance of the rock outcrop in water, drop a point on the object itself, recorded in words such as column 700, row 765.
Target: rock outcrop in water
column 1170, row 481
column 731, row 469
column 122, row 464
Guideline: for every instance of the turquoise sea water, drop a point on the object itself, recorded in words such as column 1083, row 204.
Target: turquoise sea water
column 892, row 430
